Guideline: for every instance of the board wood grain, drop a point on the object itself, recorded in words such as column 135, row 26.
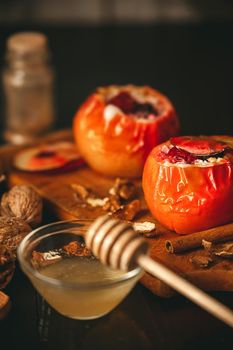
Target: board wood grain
column 61, row 199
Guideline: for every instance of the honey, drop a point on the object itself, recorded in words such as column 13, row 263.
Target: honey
column 85, row 288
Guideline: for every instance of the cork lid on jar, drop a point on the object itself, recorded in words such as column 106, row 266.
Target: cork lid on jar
column 27, row 43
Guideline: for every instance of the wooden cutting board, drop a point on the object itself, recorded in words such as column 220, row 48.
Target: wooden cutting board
column 61, row 199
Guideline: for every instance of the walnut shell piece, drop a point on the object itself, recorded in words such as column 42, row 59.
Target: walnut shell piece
column 12, row 231
column 24, row 203
column 5, row 305
column 7, row 266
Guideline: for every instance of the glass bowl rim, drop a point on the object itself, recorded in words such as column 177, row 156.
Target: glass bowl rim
column 29, row 270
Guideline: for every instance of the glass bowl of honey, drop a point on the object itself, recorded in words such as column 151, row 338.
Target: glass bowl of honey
column 68, row 276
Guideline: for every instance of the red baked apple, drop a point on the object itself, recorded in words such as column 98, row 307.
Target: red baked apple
column 117, row 126
column 188, row 183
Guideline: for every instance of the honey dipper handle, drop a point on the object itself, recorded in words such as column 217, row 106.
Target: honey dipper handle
column 186, row 288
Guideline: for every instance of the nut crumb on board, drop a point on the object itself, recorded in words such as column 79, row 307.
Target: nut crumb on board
column 226, row 252
column 123, row 188
column 144, row 227
column 80, row 190
column 120, row 201
column 129, row 211
column 222, row 250
column 97, row 202
column 113, row 204
column 203, row 261
column 86, row 196
column 213, row 253
column 207, row 244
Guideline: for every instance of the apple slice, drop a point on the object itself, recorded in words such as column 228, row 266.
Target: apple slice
column 201, row 147
column 176, row 155
column 60, row 156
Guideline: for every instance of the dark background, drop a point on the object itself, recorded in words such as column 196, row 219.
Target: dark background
column 182, row 48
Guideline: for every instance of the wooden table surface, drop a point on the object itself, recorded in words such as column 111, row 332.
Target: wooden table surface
column 193, row 65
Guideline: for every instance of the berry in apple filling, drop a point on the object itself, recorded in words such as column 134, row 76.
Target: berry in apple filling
column 128, row 105
column 176, row 155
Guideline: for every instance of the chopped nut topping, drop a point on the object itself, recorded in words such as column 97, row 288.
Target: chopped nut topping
column 44, row 259
column 77, row 249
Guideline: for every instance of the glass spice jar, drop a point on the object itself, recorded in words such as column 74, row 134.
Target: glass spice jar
column 28, row 80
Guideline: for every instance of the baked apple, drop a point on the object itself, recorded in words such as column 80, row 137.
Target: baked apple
column 117, row 126
column 188, row 183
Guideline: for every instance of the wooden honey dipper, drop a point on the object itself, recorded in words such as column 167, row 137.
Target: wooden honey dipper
column 117, row 245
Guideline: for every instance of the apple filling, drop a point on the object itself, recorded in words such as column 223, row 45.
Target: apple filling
column 194, row 150
column 127, row 104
